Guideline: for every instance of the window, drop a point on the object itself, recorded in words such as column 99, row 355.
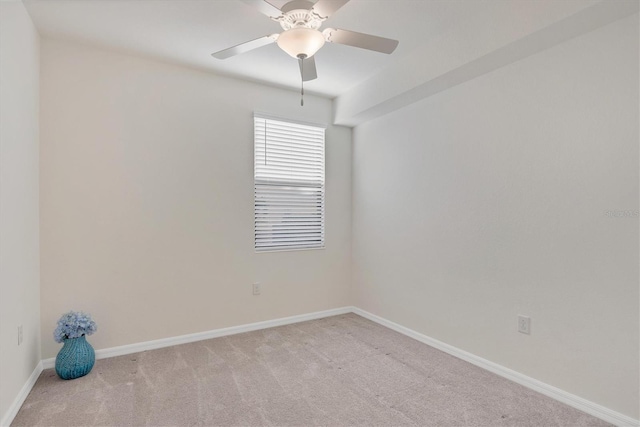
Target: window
column 289, row 185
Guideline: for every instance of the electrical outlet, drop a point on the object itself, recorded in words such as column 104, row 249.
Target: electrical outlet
column 256, row 289
column 524, row 324
column 19, row 334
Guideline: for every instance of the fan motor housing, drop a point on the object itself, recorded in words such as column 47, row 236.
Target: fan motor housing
column 299, row 14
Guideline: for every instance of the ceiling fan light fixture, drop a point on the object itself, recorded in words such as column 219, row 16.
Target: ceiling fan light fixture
column 301, row 42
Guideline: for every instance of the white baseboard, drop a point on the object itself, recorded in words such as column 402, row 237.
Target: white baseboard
column 572, row 400
column 199, row 336
column 11, row 413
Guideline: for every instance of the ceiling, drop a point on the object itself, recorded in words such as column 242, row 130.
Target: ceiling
column 442, row 42
column 188, row 31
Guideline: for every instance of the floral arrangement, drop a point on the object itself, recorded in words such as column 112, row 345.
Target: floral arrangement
column 74, row 324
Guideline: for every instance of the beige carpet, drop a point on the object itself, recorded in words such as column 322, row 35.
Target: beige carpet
column 338, row 371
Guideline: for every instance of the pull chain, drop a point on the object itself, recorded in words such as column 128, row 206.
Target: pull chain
column 302, row 80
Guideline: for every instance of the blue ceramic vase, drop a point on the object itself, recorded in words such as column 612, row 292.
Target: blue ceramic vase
column 75, row 359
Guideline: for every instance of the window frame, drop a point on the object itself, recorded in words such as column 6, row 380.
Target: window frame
column 311, row 174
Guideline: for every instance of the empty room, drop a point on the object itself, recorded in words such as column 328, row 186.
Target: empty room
column 319, row 213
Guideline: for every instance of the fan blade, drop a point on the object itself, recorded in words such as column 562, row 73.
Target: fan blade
column 245, row 47
column 326, row 8
column 308, row 69
column 364, row 41
column 265, row 7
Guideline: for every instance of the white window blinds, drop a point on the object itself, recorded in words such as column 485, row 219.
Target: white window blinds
column 289, row 185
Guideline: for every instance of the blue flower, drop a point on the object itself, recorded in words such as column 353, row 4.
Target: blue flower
column 74, row 324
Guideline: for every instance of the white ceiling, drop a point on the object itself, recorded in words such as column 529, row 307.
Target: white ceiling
column 188, row 31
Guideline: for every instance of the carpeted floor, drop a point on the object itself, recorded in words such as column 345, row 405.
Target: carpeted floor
column 338, row 371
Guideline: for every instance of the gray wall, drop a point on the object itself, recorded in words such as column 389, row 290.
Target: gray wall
column 19, row 245
column 489, row 200
column 147, row 200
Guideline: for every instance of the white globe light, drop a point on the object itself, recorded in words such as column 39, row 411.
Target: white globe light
column 301, row 41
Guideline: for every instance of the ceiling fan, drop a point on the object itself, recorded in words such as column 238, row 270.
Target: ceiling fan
column 301, row 38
